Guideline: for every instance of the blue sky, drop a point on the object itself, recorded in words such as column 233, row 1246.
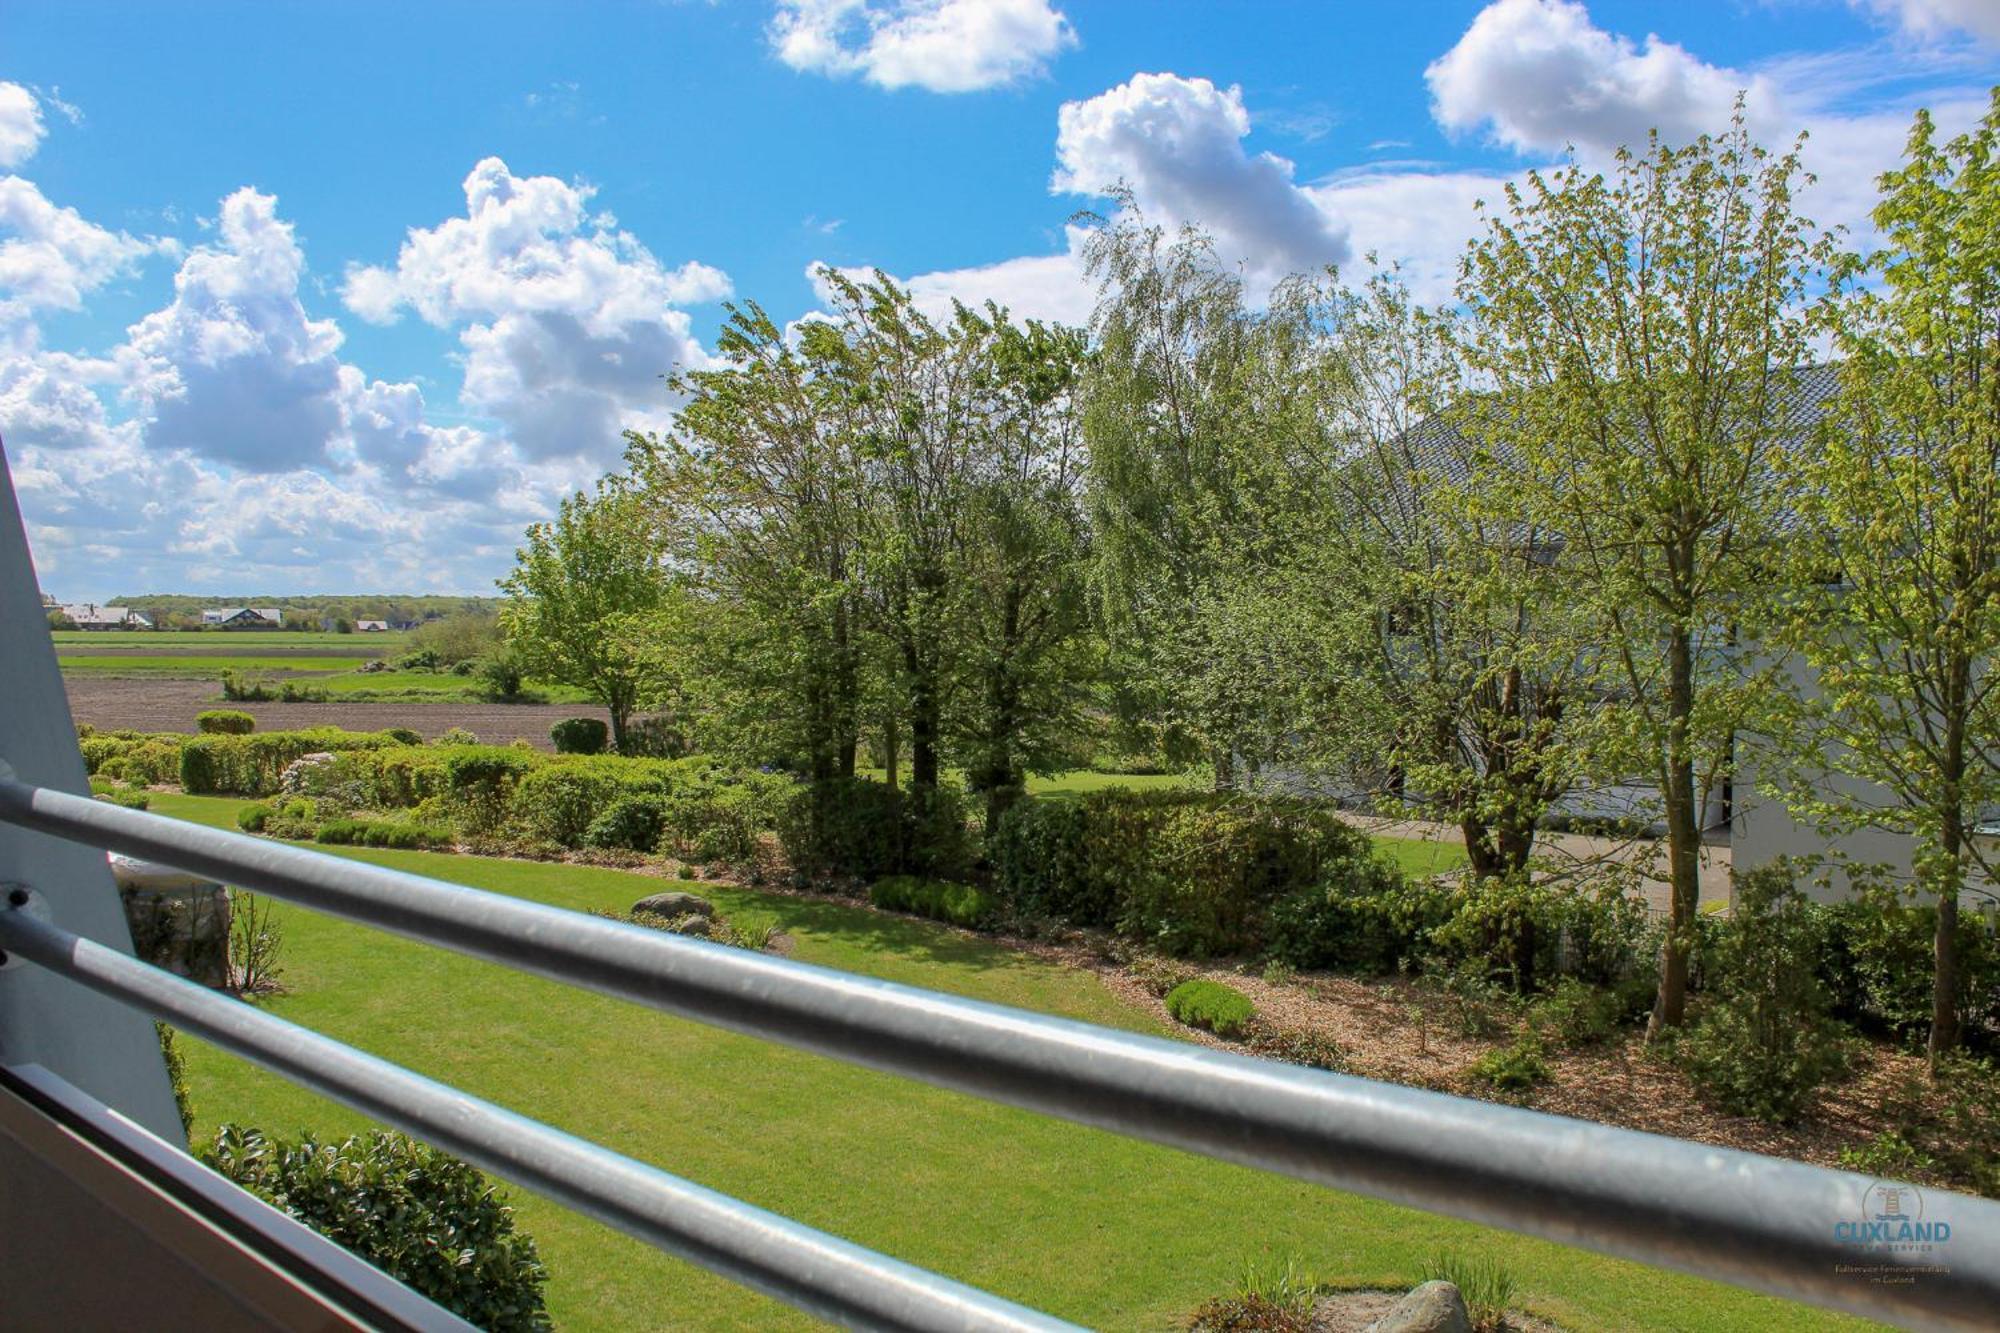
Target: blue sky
column 339, row 297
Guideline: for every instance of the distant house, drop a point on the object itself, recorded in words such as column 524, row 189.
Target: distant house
column 371, row 627
column 89, row 615
column 243, row 617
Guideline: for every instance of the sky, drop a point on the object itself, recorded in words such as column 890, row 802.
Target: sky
column 340, row 297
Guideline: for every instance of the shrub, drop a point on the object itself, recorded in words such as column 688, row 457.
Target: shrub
column 1514, row 1068
column 170, row 1053
column 1578, row 1014
column 1528, row 933
column 1192, row 873
column 1298, row 1047
column 1947, row 1133
column 133, row 757
column 254, row 765
column 224, row 722
column 255, row 941
column 558, row 802
column 420, row 1215
column 1765, row 1040
column 1877, row 964
column 869, row 830
column 1221, row 1009
column 633, row 822
column 253, row 818
column 457, row 736
column 404, row 735
column 380, row 833
column 502, row 675
column 1362, row 917
column 580, row 735
column 960, row 904
column 131, row 800
column 654, row 738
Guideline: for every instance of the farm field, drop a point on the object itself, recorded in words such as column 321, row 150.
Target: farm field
column 1099, row 1229
column 154, row 704
column 200, row 665
column 246, row 642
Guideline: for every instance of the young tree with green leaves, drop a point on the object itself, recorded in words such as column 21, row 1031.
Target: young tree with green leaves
column 576, row 585
column 1899, row 622
column 1642, row 335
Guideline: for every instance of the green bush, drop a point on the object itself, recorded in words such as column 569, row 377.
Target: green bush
column 1877, row 963
column 1193, row 874
column 1578, row 1014
column 869, row 830
column 557, row 802
column 176, row 1063
column 252, row 765
column 633, row 822
column 1221, row 1009
column 1514, row 1068
column 420, row 1215
column 380, row 833
column 292, row 817
column 1947, row 1132
column 131, row 800
column 580, row 735
column 133, row 757
column 224, row 722
column 1765, row 1040
column 940, row 900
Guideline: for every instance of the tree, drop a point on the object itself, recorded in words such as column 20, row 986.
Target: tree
column 1180, row 480
column 575, row 585
column 1449, row 674
column 1901, row 502
column 1643, row 336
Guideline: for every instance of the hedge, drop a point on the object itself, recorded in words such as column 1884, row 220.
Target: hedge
column 940, row 900
column 1191, row 873
column 868, row 830
column 224, row 722
column 580, row 735
column 1220, row 1009
column 252, row 765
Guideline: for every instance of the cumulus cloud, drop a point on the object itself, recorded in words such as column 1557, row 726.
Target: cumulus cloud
column 1051, row 288
column 1539, row 75
column 20, row 125
column 1177, row 144
column 51, row 257
column 568, row 324
column 1938, row 18
column 943, row 46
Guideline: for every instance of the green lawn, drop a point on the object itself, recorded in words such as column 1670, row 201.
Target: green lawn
column 432, row 687
column 1103, row 1230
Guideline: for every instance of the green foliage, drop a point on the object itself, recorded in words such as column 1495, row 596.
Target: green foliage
column 1516, row 1067
column 1576, row 1013
column 1194, row 874
column 131, row 800
column 1223, row 1010
column 632, row 822
column 380, row 833
column 1765, row 1042
column 170, row 1053
column 420, row 1215
column 868, row 830
column 253, row 765
column 1878, row 963
column 1486, row 1284
column 960, row 904
column 225, row 722
column 133, row 757
column 1947, row 1133
column 580, row 735
column 1298, row 1046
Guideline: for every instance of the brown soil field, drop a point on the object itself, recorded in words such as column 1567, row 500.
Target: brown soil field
column 170, row 705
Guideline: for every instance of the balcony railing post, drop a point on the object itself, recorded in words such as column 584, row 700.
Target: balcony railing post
column 100, row 1046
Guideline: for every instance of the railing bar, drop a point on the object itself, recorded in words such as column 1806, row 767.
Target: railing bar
column 1757, row 1221
column 816, row 1272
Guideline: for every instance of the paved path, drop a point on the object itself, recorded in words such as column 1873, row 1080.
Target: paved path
column 1578, row 848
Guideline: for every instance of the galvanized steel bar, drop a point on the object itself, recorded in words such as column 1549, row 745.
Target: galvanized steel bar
column 1756, row 1221
column 816, row 1272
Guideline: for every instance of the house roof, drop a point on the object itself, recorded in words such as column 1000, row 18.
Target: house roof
column 228, row 613
column 90, row 613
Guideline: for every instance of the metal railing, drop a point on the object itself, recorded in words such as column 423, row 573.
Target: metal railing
column 1756, row 1221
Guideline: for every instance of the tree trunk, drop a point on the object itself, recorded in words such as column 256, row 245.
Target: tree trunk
column 1951, row 844
column 923, row 720
column 1683, row 839
column 891, row 743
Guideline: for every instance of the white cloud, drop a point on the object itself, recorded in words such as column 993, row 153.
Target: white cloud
column 1177, row 143
column 21, row 127
column 944, row 46
column 1539, row 75
column 50, row 257
column 1051, row 288
column 568, row 324
column 1932, row 19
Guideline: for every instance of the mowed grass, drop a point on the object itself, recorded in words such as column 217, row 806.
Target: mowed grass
column 1106, row 1231
column 435, row 687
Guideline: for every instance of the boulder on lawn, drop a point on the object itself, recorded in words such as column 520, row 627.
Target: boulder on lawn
column 673, row 903
column 1435, row 1307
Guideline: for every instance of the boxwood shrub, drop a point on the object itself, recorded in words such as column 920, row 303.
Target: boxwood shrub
column 580, row 735
column 420, row 1215
column 940, row 900
column 1220, row 1009
column 224, row 722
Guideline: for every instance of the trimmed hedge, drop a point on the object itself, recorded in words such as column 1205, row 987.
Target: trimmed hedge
column 380, row 833
column 940, row 900
column 224, row 722
column 419, row 1214
column 1223, row 1010
column 580, row 735
column 252, row 765
column 868, row 830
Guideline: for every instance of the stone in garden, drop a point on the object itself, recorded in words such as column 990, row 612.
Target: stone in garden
column 1435, row 1307
column 673, row 904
